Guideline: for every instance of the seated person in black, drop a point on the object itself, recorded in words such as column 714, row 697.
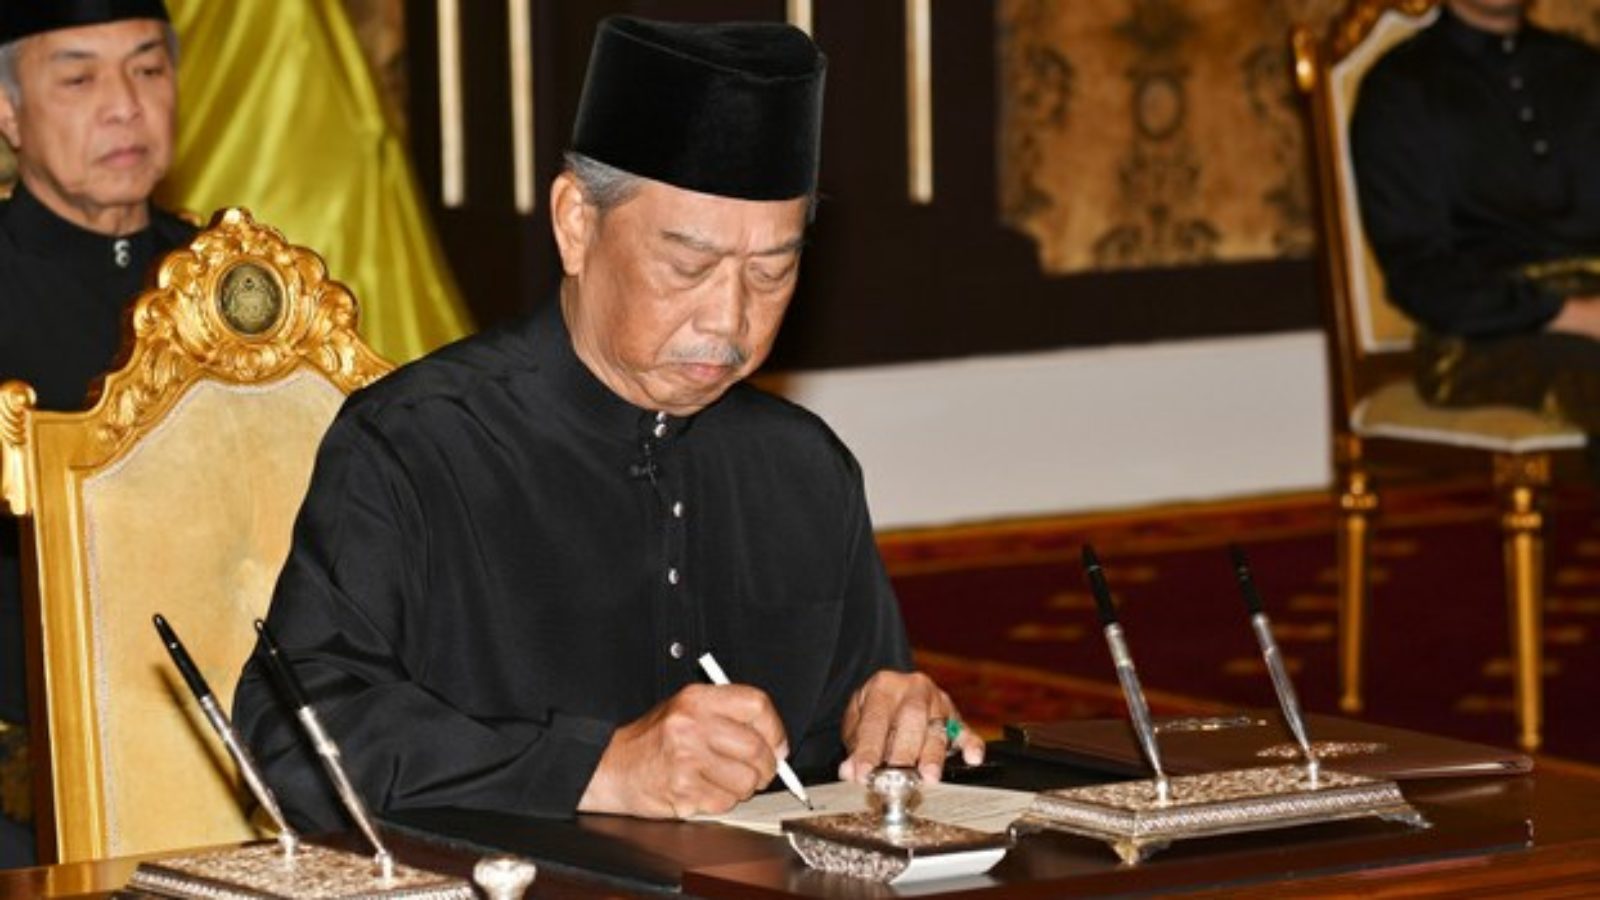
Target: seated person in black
column 1477, row 157
column 513, row 551
column 87, row 95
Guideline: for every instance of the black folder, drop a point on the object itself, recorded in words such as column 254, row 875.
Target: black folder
column 1204, row 744
column 559, row 845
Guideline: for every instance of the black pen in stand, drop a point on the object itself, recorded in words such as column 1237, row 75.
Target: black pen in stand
column 326, row 749
column 1274, row 660
column 1138, row 709
column 287, row 838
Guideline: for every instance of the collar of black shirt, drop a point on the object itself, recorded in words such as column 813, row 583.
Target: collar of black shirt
column 599, row 405
column 37, row 231
column 1478, row 43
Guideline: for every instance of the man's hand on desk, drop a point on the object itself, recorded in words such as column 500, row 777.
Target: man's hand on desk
column 701, row 751
column 1579, row 315
column 900, row 718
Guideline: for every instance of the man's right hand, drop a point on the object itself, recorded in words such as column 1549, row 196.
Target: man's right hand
column 1579, row 315
column 701, row 751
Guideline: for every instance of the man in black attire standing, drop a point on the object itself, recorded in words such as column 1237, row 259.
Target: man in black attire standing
column 1477, row 156
column 87, row 96
column 513, row 551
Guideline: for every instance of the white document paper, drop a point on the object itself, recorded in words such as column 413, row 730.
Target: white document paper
column 990, row 810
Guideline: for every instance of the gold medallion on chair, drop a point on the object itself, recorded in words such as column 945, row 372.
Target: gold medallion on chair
column 250, row 300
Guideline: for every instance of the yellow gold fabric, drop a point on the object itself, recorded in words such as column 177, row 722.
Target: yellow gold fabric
column 193, row 523
column 279, row 112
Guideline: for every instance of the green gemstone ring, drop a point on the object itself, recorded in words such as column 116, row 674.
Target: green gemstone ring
column 952, row 727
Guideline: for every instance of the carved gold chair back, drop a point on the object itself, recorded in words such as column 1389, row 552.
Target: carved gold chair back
column 175, row 493
column 1369, row 343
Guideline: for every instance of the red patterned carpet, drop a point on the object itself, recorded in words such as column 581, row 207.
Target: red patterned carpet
column 1002, row 615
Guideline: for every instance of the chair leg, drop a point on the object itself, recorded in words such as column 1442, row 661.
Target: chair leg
column 1357, row 505
column 1522, row 479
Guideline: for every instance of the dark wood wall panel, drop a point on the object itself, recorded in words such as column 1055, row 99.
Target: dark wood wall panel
column 884, row 280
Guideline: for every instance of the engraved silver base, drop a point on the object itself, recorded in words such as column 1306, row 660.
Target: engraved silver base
column 862, row 846
column 313, row 872
column 1130, row 818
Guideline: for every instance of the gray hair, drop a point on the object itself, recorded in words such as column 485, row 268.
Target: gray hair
column 608, row 187
column 8, row 71
column 10, row 51
column 605, row 187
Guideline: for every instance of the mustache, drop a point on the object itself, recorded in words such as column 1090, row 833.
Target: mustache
column 719, row 354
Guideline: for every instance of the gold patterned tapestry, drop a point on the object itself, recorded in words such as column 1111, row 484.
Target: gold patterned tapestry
column 1134, row 133
column 1145, row 133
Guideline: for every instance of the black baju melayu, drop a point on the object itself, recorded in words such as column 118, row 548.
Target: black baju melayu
column 62, row 294
column 500, row 561
column 63, row 290
column 1475, row 155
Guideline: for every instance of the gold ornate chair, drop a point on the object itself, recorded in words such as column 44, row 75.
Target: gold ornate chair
column 1369, row 349
column 175, row 493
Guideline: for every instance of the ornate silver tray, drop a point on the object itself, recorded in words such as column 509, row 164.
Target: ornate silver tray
column 890, row 844
column 861, row 846
column 1129, row 816
column 262, row 871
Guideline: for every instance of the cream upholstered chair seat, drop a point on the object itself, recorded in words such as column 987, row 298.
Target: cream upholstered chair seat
column 1370, row 341
column 207, row 570
column 1397, row 411
column 175, row 493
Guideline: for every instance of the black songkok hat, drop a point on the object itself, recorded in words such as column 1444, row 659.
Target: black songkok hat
column 733, row 109
column 24, row 18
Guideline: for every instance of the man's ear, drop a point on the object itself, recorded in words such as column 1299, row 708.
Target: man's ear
column 573, row 220
column 8, row 121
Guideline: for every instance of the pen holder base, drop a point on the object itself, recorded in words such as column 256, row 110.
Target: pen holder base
column 1135, row 823
column 860, row 845
column 313, row 872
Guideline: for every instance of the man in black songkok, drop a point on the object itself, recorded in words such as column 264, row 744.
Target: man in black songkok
column 513, row 551
column 1477, row 159
column 87, row 96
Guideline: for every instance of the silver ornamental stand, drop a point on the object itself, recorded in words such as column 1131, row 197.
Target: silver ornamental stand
column 1138, row 818
column 1136, row 822
column 290, row 867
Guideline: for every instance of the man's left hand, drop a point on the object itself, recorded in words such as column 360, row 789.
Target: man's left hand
column 902, row 719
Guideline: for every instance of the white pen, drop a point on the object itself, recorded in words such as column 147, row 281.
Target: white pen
column 785, row 774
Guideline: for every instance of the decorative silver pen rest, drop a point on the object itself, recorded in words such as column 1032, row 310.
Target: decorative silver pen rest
column 890, row 844
column 311, row 872
column 1137, row 823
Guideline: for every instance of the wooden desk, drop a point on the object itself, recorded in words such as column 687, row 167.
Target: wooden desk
column 1563, row 803
column 1560, row 859
column 1525, row 836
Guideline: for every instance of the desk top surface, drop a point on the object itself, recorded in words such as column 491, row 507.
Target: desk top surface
column 1531, row 835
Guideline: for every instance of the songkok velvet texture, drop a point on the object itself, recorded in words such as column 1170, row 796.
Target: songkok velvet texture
column 732, row 109
column 23, row 18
